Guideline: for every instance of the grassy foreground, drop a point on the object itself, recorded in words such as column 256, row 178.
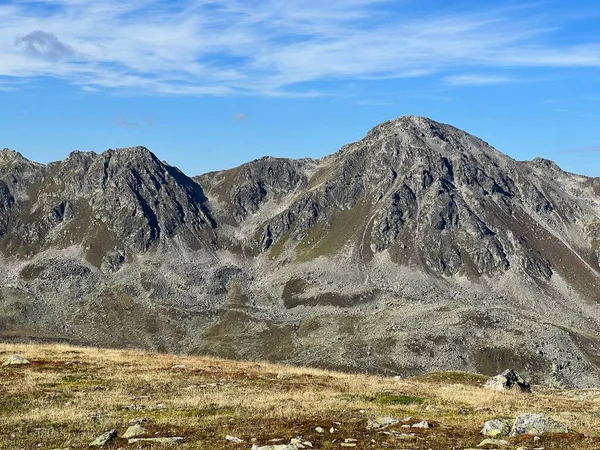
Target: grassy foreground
column 68, row 396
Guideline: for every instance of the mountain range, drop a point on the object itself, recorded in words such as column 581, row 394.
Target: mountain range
column 418, row 248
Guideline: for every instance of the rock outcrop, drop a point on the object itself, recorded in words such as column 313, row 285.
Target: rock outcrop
column 509, row 380
column 531, row 424
column 537, row 424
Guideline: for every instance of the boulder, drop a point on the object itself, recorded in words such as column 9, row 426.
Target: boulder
column 381, row 422
column 509, row 380
column 537, row 424
column 15, row 360
column 423, row 424
column 497, row 428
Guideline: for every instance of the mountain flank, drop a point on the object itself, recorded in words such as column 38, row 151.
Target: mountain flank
column 418, row 248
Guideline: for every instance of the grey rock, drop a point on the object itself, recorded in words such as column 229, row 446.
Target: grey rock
column 381, row 422
column 493, row 443
column 497, row 428
column 423, row 424
column 509, row 380
column 278, row 447
column 157, row 440
column 134, row 431
column 537, row 424
column 105, row 439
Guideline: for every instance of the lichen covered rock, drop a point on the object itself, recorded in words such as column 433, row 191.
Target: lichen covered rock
column 497, row 428
column 537, row 424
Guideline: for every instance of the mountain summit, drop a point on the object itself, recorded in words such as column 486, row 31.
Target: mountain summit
column 419, row 247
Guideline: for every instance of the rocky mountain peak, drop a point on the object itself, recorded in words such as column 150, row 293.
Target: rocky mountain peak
column 417, row 247
column 138, row 153
column 8, row 156
column 545, row 164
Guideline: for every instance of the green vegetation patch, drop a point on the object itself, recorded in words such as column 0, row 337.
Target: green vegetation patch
column 211, row 410
column 79, row 381
column 327, row 238
column 279, row 246
column 386, row 399
column 10, row 404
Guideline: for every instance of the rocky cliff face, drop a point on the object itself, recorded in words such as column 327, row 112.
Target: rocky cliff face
column 419, row 247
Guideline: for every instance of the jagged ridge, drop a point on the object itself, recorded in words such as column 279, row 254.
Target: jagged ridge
column 469, row 253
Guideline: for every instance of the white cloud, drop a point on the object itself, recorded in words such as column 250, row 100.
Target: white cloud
column 267, row 47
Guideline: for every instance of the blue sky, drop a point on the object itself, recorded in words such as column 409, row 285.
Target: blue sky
column 209, row 84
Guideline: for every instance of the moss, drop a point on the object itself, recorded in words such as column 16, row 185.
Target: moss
column 386, row 399
column 77, row 381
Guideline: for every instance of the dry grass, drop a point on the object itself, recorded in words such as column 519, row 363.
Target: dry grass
column 70, row 395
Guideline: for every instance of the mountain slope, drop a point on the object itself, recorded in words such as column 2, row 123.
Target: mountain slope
column 419, row 247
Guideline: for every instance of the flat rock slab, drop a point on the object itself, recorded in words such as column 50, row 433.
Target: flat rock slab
column 278, row 447
column 158, row 440
column 15, row 360
column 104, row 439
column 134, row 431
column 493, row 443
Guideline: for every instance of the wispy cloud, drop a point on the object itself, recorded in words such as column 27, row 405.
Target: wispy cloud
column 40, row 44
column 268, row 47
column 477, row 80
column 592, row 149
column 240, row 117
column 126, row 123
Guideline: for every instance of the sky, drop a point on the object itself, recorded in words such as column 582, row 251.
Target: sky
column 210, row 84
